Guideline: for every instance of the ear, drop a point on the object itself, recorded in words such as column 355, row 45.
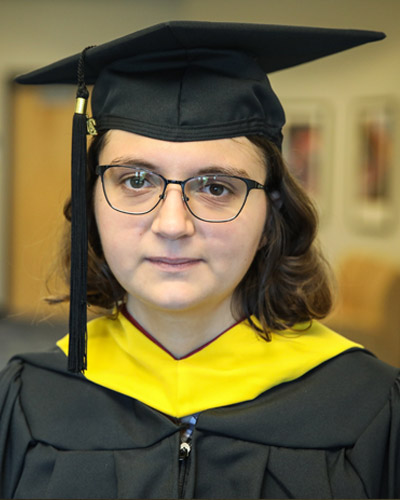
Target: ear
column 263, row 239
column 262, row 243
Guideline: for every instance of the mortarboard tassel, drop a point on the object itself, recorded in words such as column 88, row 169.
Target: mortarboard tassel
column 77, row 355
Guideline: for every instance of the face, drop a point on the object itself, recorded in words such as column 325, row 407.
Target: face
column 167, row 259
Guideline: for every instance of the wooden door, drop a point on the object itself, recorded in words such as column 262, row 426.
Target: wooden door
column 40, row 183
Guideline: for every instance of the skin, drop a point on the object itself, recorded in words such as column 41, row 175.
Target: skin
column 176, row 269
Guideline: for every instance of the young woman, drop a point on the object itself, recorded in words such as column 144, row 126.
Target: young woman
column 211, row 376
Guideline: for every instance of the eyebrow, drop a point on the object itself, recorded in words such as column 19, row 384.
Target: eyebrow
column 211, row 169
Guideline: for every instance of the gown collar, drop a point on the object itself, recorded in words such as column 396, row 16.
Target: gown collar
column 137, row 325
column 236, row 366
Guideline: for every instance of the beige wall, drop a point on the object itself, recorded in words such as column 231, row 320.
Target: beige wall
column 36, row 32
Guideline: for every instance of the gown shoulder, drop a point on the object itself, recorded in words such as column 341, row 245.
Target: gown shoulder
column 332, row 433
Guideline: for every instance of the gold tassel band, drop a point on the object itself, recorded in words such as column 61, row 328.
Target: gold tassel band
column 81, row 105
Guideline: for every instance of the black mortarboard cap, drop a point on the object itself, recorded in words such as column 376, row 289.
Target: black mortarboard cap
column 179, row 81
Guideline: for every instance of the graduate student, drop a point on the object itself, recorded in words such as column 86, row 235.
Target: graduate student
column 209, row 375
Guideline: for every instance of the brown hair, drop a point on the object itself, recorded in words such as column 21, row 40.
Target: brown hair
column 288, row 281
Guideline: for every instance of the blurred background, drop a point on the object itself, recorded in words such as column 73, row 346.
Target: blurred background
column 342, row 142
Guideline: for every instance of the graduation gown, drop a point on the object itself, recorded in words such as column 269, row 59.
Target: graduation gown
column 331, row 432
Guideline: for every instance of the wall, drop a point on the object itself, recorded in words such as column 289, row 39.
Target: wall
column 36, row 32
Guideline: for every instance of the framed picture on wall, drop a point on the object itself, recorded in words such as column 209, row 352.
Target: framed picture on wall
column 307, row 147
column 375, row 143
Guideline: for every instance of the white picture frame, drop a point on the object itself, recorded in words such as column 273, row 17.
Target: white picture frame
column 374, row 179
column 307, row 148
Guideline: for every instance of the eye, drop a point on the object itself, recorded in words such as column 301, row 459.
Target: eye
column 138, row 180
column 135, row 182
column 216, row 186
column 216, row 189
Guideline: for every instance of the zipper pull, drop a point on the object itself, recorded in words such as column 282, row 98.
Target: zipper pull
column 184, row 450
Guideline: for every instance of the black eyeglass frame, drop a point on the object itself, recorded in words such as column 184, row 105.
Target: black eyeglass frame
column 250, row 184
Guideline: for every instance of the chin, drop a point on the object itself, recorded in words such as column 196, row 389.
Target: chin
column 178, row 306
column 175, row 302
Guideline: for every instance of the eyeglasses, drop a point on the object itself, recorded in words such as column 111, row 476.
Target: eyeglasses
column 210, row 198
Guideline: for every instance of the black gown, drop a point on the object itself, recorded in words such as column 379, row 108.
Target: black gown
column 332, row 433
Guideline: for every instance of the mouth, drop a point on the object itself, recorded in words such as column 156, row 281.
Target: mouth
column 173, row 263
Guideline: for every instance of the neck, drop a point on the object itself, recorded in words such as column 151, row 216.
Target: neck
column 182, row 332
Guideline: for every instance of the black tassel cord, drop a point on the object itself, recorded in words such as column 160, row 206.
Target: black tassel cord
column 77, row 355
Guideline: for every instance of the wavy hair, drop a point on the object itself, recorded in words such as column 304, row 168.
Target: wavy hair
column 289, row 280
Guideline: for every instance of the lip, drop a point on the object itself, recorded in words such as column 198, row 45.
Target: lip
column 173, row 263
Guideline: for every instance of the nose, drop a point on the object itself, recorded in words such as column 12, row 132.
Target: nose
column 173, row 220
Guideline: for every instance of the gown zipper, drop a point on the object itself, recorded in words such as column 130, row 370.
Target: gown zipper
column 184, row 452
column 187, row 425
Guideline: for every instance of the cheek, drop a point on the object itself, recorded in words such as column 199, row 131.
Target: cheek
column 120, row 234
column 253, row 235
column 238, row 242
column 102, row 215
column 110, row 225
column 253, row 224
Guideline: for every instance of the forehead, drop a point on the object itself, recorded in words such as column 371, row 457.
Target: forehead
column 183, row 159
